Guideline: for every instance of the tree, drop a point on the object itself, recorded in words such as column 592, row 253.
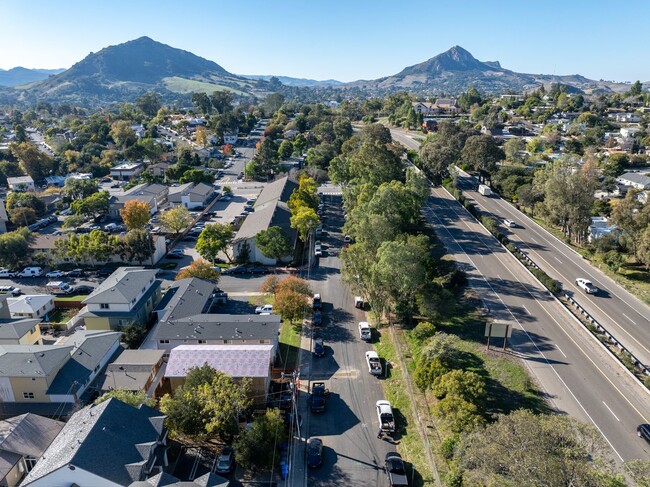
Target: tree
column 22, row 216
column 78, row 189
column 270, row 284
column 636, row 89
column 197, row 176
column 482, row 153
column 436, row 158
column 273, row 243
column 133, row 334
column 133, row 398
column 285, row 150
column 199, row 268
column 643, row 248
column 202, row 102
column 202, row 136
column 34, row 162
column 513, row 149
column 305, row 195
column 93, row 206
column 375, row 163
column 304, row 220
column 25, row 200
column 215, row 239
column 122, row 134
column 290, row 305
column 465, row 384
column 74, row 221
column 256, row 446
column 149, row 103
column 461, row 415
column 541, row 450
column 135, row 214
column 294, row 284
column 137, row 245
column 176, row 219
column 208, row 403
column 439, row 356
column 13, row 248
column 222, row 101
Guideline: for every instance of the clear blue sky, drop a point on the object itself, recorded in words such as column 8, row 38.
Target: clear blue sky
column 341, row 39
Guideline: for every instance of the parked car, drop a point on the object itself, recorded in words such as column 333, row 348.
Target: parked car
column 58, row 288
column 31, row 272
column 14, row 291
column 55, row 274
column 267, row 308
column 75, row 273
column 83, row 289
column 314, row 452
column 395, row 470
column 319, row 348
column 226, row 461
column 317, row 319
column 317, row 302
column 104, row 272
column 586, row 285
column 175, row 254
column 7, row 274
column 318, row 251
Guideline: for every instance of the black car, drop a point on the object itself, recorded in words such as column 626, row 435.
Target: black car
column 235, row 270
column 174, row 255
column 83, row 289
column 314, row 452
column 319, row 348
column 395, row 470
column 105, row 272
column 75, row 273
column 643, row 430
column 317, row 318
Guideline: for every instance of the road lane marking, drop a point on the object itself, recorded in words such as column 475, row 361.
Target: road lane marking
column 610, row 410
column 499, row 277
column 633, row 322
column 558, row 259
column 524, row 306
column 558, row 347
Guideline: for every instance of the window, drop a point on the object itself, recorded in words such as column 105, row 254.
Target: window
column 262, row 342
column 104, row 306
column 201, row 342
column 163, row 341
column 225, row 342
column 133, row 301
column 120, row 322
column 28, row 395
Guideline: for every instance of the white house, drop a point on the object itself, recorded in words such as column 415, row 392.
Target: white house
column 127, row 170
column 191, row 195
column 634, row 180
column 628, row 132
column 600, row 227
column 31, row 306
column 21, row 183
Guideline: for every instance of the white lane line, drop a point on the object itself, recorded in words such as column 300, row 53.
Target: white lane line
column 558, row 347
column 558, row 259
column 610, row 410
column 499, row 277
column 524, row 306
column 633, row 322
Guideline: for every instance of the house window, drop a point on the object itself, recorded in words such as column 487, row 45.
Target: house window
column 163, row 341
column 104, row 306
column 133, row 301
column 120, row 322
column 30, row 461
column 262, row 342
column 225, row 342
column 28, row 395
column 201, row 342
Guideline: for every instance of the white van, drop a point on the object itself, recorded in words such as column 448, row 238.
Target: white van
column 364, row 331
column 31, row 272
column 58, row 288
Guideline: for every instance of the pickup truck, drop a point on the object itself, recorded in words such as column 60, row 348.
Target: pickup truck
column 395, row 470
column 374, row 363
column 318, row 397
column 385, row 416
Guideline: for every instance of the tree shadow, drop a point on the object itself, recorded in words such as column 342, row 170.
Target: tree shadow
column 336, row 420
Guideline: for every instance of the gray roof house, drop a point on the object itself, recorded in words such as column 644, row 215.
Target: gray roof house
column 166, row 480
column 191, row 195
column 154, row 195
column 105, row 445
column 23, row 439
column 128, row 295
column 185, row 320
column 271, row 210
column 4, row 219
column 134, row 370
column 18, row 332
column 635, row 180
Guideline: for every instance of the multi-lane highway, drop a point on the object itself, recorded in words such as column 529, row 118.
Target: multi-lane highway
column 624, row 316
column 575, row 372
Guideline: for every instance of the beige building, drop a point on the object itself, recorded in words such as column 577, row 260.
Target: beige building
column 18, row 331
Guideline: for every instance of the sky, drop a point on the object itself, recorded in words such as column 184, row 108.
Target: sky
column 345, row 40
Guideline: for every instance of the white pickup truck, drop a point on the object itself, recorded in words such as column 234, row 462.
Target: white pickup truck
column 374, row 363
column 385, row 416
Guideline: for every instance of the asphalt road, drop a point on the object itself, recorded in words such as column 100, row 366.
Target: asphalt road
column 624, row 316
column 353, row 455
column 577, row 375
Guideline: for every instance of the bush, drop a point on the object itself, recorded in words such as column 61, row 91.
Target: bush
column 613, row 260
column 448, row 446
column 423, row 330
column 489, row 223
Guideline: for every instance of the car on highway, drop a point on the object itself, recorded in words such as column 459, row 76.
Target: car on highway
column 586, row 285
column 643, row 431
column 395, row 470
column 267, row 308
column 226, row 461
column 55, row 274
column 83, row 289
column 509, row 223
column 314, row 452
column 7, row 273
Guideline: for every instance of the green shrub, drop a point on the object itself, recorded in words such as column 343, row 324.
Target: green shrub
column 448, row 446
column 423, row 330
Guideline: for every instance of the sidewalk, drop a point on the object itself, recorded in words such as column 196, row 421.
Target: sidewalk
column 298, row 475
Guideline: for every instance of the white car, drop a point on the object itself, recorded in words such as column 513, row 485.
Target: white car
column 509, row 223
column 55, row 274
column 266, row 309
column 586, row 285
column 318, row 251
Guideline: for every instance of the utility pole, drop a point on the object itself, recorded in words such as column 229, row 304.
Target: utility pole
column 294, row 385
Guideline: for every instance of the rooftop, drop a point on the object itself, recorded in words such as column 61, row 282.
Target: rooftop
column 123, row 286
column 635, row 177
column 220, row 327
column 15, row 329
column 111, row 440
column 20, row 180
column 186, row 297
column 234, row 360
column 29, row 303
column 125, row 166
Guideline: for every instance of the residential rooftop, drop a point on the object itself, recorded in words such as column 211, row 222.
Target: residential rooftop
column 123, row 286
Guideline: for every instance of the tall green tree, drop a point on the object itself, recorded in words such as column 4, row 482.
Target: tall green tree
column 273, row 243
column 304, row 220
column 256, row 447
column 176, row 219
column 215, row 239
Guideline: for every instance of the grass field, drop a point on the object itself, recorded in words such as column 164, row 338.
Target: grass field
column 182, row 85
column 290, row 344
column 78, row 297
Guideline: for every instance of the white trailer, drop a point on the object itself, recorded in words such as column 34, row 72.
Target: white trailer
column 484, row 190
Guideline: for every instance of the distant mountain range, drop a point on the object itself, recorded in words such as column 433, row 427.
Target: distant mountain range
column 125, row 71
column 20, row 76
column 456, row 70
column 289, row 81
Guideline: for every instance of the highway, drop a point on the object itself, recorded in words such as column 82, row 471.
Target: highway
column 624, row 316
column 578, row 376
